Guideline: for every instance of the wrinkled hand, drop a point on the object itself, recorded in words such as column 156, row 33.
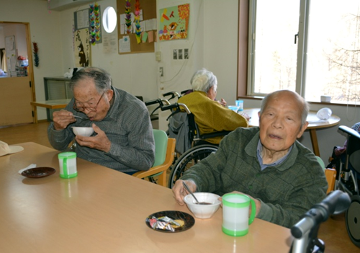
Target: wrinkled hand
column 223, row 102
column 99, row 141
column 62, row 119
column 180, row 192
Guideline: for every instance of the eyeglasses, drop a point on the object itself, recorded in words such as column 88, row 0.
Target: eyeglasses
column 78, row 106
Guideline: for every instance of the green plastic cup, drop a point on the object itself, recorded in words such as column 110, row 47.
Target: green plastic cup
column 67, row 164
column 236, row 218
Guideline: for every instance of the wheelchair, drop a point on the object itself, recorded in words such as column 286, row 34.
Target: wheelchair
column 194, row 147
column 348, row 181
column 191, row 147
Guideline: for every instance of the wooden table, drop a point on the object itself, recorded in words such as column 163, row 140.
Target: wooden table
column 102, row 210
column 314, row 123
column 49, row 104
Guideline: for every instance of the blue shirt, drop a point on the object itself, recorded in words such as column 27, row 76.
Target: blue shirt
column 264, row 166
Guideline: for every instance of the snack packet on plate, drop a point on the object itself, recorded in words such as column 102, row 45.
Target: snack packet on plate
column 163, row 223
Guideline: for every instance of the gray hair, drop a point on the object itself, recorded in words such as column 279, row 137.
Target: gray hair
column 203, row 80
column 102, row 79
column 304, row 105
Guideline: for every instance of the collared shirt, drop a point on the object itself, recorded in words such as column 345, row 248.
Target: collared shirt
column 286, row 191
column 264, row 166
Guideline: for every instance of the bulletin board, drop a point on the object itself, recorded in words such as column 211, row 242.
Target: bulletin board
column 148, row 8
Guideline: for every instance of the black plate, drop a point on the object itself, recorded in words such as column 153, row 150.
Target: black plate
column 189, row 221
column 38, row 172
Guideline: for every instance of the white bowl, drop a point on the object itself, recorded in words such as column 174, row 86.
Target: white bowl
column 83, row 131
column 203, row 211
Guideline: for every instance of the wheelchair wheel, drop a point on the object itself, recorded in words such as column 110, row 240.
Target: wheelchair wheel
column 352, row 219
column 188, row 159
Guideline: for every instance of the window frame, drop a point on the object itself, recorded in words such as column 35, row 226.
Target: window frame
column 246, row 29
column 247, row 16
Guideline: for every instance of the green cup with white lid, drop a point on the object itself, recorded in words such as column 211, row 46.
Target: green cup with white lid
column 236, row 218
column 67, row 164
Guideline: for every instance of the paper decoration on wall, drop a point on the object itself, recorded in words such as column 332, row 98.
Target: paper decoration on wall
column 137, row 22
column 82, row 51
column 95, row 25
column 174, row 22
column 128, row 16
column 36, row 56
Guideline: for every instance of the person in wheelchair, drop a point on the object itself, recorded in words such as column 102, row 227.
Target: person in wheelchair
column 210, row 115
column 267, row 163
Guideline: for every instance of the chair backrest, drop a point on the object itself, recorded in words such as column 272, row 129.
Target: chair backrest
column 321, row 162
column 330, row 175
column 161, row 141
column 353, row 150
column 180, row 130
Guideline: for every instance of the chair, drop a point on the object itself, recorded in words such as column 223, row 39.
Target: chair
column 330, row 175
column 164, row 157
column 348, row 182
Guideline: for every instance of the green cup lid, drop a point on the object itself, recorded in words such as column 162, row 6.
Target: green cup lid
column 67, row 155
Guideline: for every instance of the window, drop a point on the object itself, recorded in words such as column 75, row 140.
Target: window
column 311, row 47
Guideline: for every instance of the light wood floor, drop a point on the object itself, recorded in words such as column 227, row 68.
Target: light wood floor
column 332, row 232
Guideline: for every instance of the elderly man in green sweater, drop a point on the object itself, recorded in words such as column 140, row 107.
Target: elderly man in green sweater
column 267, row 163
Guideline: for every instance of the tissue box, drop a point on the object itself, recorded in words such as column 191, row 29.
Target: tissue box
column 325, row 99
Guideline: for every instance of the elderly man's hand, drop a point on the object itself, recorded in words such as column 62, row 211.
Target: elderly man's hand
column 180, row 192
column 100, row 141
column 62, row 119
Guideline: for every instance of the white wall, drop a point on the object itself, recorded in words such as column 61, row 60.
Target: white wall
column 212, row 37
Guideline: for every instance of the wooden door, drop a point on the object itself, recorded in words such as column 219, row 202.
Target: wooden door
column 15, row 98
column 16, row 93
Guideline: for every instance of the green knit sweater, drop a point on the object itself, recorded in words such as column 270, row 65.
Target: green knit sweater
column 286, row 191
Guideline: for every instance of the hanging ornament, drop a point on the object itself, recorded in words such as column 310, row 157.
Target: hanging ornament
column 137, row 22
column 36, row 56
column 128, row 16
column 95, row 29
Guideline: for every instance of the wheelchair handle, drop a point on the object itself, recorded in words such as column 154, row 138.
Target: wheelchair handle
column 152, row 102
column 176, row 106
column 172, row 93
column 159, row 101
column 349, row 131
column 335, row 203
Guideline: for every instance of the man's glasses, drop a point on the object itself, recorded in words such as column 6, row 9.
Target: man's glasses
column 78, row 106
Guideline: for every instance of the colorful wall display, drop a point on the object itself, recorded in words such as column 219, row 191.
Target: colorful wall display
column 174, row 22
column 95, row 23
